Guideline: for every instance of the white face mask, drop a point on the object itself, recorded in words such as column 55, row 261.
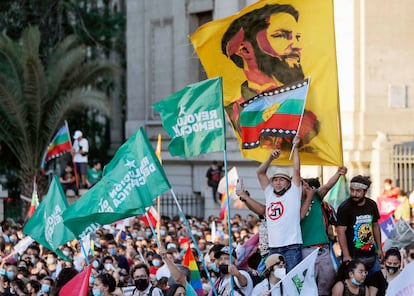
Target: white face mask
column 280, row 273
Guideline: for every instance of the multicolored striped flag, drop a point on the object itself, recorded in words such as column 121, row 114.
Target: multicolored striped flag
column 35, row 200
column 269, row 118
column 233, row 177
column 189, row 261
column 59, row 145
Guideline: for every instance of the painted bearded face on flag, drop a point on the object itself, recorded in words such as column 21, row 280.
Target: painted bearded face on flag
column 266, row 50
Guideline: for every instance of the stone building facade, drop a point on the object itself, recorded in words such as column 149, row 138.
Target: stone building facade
column 375, row 68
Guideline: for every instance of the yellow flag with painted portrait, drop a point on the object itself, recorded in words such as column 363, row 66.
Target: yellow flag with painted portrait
column 264, row 51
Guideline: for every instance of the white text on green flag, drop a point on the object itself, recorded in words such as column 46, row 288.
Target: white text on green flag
column 194, row 118
column 130, row 182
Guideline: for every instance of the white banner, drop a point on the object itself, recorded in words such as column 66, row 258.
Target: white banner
column 403, row 284
column 301, row 279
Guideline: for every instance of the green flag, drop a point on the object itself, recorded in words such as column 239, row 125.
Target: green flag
column 339, row 192
column 194, row 118
column 46, row 225
column 130, row 182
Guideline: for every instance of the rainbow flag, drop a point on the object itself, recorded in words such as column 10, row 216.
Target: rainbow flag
column 223, row 207
column 189, row 261
column 59, row 145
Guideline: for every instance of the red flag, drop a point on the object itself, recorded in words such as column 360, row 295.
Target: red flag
column 153, row 215
column 77, row 286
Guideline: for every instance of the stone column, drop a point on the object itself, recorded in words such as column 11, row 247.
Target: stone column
column 380, row 163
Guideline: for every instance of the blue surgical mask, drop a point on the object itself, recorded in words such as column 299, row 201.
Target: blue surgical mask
column 355, row 282
column 96, row 292
column 45, row 288
column 162, row 232
column 10, row 275
column 112, row 251
column 91, row 279
column 148, row 233
column 214, row 267
column 156, row 263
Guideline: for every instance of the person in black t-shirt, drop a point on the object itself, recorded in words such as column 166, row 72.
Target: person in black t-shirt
column 358, row 230
column 213, row 177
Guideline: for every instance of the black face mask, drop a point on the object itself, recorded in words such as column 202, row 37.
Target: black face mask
column 141, row 284
column 283, row 191
column 224, row 268
column 392, row 269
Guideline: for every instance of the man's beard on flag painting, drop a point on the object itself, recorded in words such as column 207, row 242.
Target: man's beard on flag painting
column 279, row 68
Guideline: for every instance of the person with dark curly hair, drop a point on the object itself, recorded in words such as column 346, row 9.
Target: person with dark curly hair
column 350, row 279
column 359, row 233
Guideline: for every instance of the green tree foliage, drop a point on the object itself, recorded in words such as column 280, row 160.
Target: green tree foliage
column 37, row 94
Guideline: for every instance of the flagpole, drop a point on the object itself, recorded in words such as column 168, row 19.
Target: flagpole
column 301, row 117
column 152, row 229
column 200, row 255
column 158, row 153
column 84, row 252
column 228, row 218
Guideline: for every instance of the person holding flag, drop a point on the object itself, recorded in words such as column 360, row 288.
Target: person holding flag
column 283, row 193
column 243, row 284
column 275, row 270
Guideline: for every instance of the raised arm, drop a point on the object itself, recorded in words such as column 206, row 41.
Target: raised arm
column 296, row 179
column 252, row 204
column 261, row 171
column 324, row 189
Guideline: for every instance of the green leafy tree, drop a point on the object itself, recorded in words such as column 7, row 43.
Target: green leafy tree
column 36, row 94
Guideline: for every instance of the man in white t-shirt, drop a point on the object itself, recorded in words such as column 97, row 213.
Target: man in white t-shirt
column 80, row 149
column 283, row 191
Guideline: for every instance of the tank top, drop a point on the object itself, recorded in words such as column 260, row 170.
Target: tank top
column 347, row 292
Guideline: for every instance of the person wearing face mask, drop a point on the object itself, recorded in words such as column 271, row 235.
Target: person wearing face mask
column 392, row 266
column 104, row 285
column 243, row 284
column 157, row 263
column 389, row 190
column 47, row 286
column 359, row 233
column 282, row 188
column 141, row 278
column 275, row 270
column 350, row 279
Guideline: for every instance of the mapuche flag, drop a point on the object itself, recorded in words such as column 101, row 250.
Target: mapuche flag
column 130, row 182
column 46, row 225
column 59, row 145
column 267, row 45
column 194, row 118
column 273, row 115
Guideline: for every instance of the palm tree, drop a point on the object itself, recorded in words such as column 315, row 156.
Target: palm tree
column 36, row 95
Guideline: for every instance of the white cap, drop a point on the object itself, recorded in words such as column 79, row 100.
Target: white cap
column 280, row 171
column 77, row 134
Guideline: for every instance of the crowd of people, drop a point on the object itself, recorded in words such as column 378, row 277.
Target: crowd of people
column 127, row 259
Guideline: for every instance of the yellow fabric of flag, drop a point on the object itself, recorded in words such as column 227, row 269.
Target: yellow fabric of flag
column 270, row 44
